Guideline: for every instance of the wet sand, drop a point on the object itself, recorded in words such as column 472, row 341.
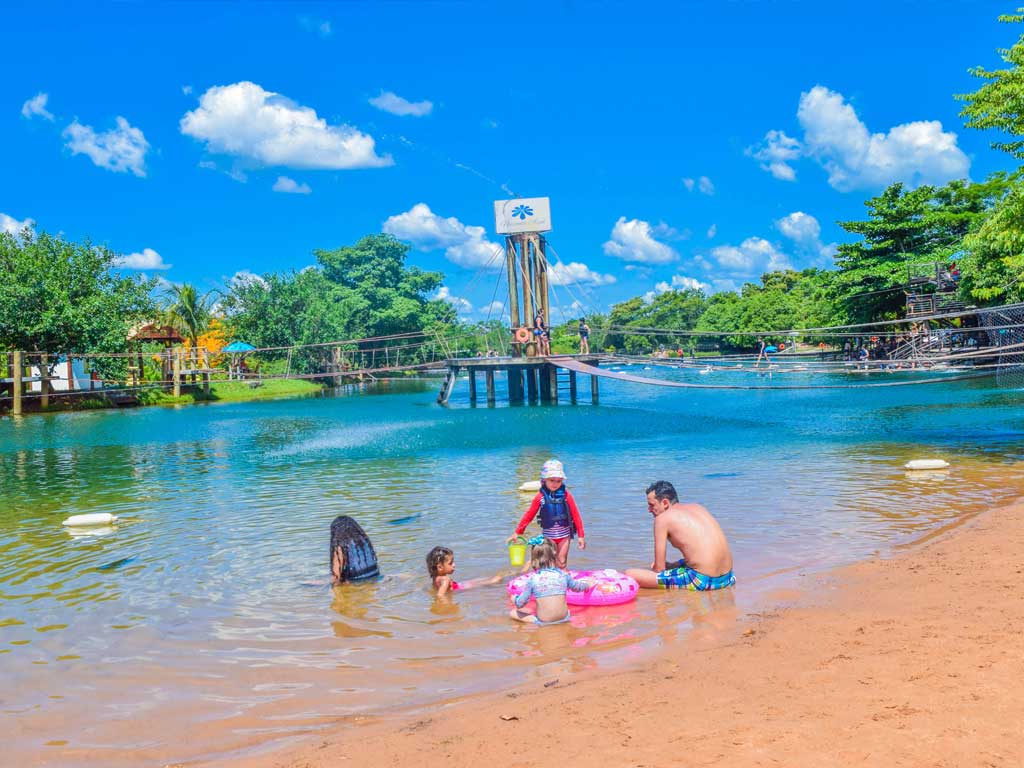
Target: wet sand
column 912, row 660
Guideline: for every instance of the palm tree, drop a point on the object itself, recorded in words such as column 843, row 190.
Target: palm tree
column 188, row 312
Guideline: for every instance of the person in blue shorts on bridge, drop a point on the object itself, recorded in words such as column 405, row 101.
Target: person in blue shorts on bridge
column 706, row 563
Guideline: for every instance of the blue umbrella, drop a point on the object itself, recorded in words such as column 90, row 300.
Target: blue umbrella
column 238, row 346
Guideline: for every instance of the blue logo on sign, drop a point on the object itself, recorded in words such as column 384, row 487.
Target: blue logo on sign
column 522, row 211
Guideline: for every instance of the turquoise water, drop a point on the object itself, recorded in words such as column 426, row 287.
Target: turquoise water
column 207, row 608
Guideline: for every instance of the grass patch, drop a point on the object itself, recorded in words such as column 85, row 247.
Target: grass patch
column 232, row 391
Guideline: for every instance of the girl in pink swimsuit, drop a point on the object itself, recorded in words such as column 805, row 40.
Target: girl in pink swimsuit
column 441, row 566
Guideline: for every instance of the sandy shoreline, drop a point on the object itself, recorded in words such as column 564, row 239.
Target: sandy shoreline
column 912, row 660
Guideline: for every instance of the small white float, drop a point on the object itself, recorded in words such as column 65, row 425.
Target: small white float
column 530, row 486
column 93, row 518
column 926, row 464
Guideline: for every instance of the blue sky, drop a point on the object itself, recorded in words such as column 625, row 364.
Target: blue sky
column 681, row 143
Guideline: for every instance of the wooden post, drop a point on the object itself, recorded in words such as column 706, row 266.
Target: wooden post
column 206, row 382
column 513, row 290
column 552, row 382
column 531, row 384
column 44, row 385
column 472, row 385
column 544, row 383
column 177, row 373
column 16, row 389
column 542, row 282
column 594, row 393
column 489, row 378
column 515, row 385
column 71, row 375
column 572, row 387
column 524, row 274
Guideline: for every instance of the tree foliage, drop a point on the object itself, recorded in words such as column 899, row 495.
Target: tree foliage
column 784, row 300
column 188, row 312
column 59, row 296
column 359, row 291
column 992, row 266
column 999, row 103
column 669, row 310
column 905, row 228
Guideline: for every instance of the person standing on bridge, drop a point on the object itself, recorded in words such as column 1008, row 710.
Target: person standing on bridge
column 584, row 337
column 540, row 333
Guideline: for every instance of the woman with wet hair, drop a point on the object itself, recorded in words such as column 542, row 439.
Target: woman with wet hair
column 352, row 555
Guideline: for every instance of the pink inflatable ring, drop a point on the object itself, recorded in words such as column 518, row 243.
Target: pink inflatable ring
column 610, row 587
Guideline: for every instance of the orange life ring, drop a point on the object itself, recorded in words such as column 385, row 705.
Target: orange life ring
column 782, row 347
column 522, row 335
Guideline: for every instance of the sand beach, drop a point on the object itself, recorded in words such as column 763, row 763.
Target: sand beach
column 911, row 660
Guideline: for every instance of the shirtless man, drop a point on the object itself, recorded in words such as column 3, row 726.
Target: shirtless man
column 707, row 561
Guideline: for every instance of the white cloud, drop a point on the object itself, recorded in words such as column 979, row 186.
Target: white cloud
column 120, row 149
column 187, row 90
column 678, row 283
column 147, row 259
column 247, row 121
column 290, row 186
column 804, row 230
column 775, row 154
column 712, row 231
column 633, row 240
column 463, row 244
column 704, row 185
column 754, row 255
column 915, row 153
column 462, row 306
column 667, row 232
column 396, row 105
column 245, row 277
column 36, row 107
column 576, row 273
column 494, row 308
column 14, row 227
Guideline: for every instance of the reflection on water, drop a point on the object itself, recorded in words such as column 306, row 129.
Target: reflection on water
column 209, row 602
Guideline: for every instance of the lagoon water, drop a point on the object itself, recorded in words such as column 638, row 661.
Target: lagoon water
column 203, row 623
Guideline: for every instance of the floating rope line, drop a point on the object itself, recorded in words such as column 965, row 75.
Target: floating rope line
column 575, row 365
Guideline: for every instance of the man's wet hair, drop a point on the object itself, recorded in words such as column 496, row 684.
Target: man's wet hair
column 663, row 490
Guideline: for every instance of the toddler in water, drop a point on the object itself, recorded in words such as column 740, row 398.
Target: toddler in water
column 556, row 508
column 548, row 585
column 441, row 566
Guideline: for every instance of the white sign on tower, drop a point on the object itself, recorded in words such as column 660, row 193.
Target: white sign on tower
column 524, row 214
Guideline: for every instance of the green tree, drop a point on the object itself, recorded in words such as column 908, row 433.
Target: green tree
column 380, row 294
column 999, row 103
column 992, row 265
column 59, row 296
column 668, row 310
column 359, row 291
column 188, row 312
column 905, row 228
column 784, row 300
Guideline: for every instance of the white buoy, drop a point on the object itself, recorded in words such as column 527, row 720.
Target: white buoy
column 94, row 518
column 926, row 464
column 530, row 485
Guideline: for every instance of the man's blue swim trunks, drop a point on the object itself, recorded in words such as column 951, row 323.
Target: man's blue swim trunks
column 681, row 577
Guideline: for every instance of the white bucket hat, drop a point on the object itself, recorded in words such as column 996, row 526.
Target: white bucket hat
column 552, row 468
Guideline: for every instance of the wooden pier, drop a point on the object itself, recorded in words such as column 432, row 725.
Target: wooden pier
column 528, row 379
